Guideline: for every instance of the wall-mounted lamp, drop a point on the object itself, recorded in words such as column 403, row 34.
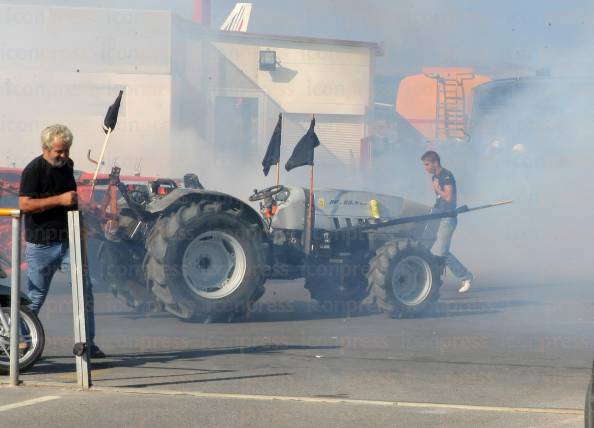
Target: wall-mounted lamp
column 268, row 60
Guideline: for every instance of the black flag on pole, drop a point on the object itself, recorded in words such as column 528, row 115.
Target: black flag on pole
column 303, row 154
column 272, row 156
column 111, row 118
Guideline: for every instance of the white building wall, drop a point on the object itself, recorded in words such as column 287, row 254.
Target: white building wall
column 66, row 65
column 329, row 80
column 31, row 101
column 311, row 77
column 67, row 39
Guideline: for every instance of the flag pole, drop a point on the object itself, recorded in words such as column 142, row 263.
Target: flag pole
column 99, row 162
column 309, row 231
column 310, row 212
column 280, row 116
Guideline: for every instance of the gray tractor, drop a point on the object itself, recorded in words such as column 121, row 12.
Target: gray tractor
column 202, row 254
column 354, row 251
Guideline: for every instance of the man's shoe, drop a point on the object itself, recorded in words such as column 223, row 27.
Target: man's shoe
column 96, row 353
column 466, row 284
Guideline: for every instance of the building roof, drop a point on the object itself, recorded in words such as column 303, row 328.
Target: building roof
column 299, row 39
column 250, row 37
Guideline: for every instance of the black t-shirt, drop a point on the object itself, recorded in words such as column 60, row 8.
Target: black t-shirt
column 41, row 180
column 445, row 177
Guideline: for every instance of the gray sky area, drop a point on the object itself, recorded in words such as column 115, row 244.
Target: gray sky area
column 506, row 37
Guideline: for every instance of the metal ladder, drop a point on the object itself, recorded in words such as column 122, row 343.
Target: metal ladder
column 450, row 116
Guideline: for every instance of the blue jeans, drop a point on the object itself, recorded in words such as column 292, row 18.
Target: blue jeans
column 43, row 261
column 441, row 248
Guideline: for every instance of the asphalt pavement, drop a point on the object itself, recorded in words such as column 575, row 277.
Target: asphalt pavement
column 502, row 355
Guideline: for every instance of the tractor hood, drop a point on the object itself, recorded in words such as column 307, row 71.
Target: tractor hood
column 336, row 208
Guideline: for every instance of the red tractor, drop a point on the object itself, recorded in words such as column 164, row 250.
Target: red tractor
column 9, row 198
column 98, row 208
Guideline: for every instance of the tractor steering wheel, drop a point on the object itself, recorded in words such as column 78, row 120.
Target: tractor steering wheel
column 266, row 193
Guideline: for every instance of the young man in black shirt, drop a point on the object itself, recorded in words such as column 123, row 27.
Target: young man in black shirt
column 47, row 192
column 444, row 185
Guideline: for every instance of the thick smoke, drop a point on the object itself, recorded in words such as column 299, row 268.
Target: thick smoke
column 539, row 153
column 531, row 142
column 536, row 149
column 546, row 233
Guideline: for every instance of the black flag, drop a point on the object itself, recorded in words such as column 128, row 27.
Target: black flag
column 272, row 155
column 303, row 154
column 111, row 118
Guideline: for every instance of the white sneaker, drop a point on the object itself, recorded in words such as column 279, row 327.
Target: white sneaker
column 465, row 286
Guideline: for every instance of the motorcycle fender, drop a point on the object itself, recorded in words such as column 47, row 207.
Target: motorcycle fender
column 5, row 296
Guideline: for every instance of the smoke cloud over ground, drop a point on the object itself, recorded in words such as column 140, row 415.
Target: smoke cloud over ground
column 547, row 233
column 530, row 143
column 538, row 153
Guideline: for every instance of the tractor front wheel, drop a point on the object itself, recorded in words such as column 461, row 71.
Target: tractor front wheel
column 404, row 278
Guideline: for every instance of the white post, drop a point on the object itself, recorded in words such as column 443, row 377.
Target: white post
column 83, row 362
column 15, row 299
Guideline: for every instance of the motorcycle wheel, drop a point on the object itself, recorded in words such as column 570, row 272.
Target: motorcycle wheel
column 32, row 340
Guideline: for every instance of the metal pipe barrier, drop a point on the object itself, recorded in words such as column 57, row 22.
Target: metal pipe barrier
column 15, row 291
column 79, row 299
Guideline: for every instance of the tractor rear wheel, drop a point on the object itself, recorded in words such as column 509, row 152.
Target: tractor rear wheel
column 205, row 262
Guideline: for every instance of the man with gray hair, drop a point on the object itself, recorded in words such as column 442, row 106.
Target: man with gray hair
column 47, row 192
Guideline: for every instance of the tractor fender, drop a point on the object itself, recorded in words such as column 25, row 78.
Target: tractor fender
column 181, row 196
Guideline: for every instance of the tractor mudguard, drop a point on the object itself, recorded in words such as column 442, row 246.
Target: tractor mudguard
column 181, row 196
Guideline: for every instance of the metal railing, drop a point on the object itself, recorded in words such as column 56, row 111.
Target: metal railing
column 15, row 291
column 79, row 299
